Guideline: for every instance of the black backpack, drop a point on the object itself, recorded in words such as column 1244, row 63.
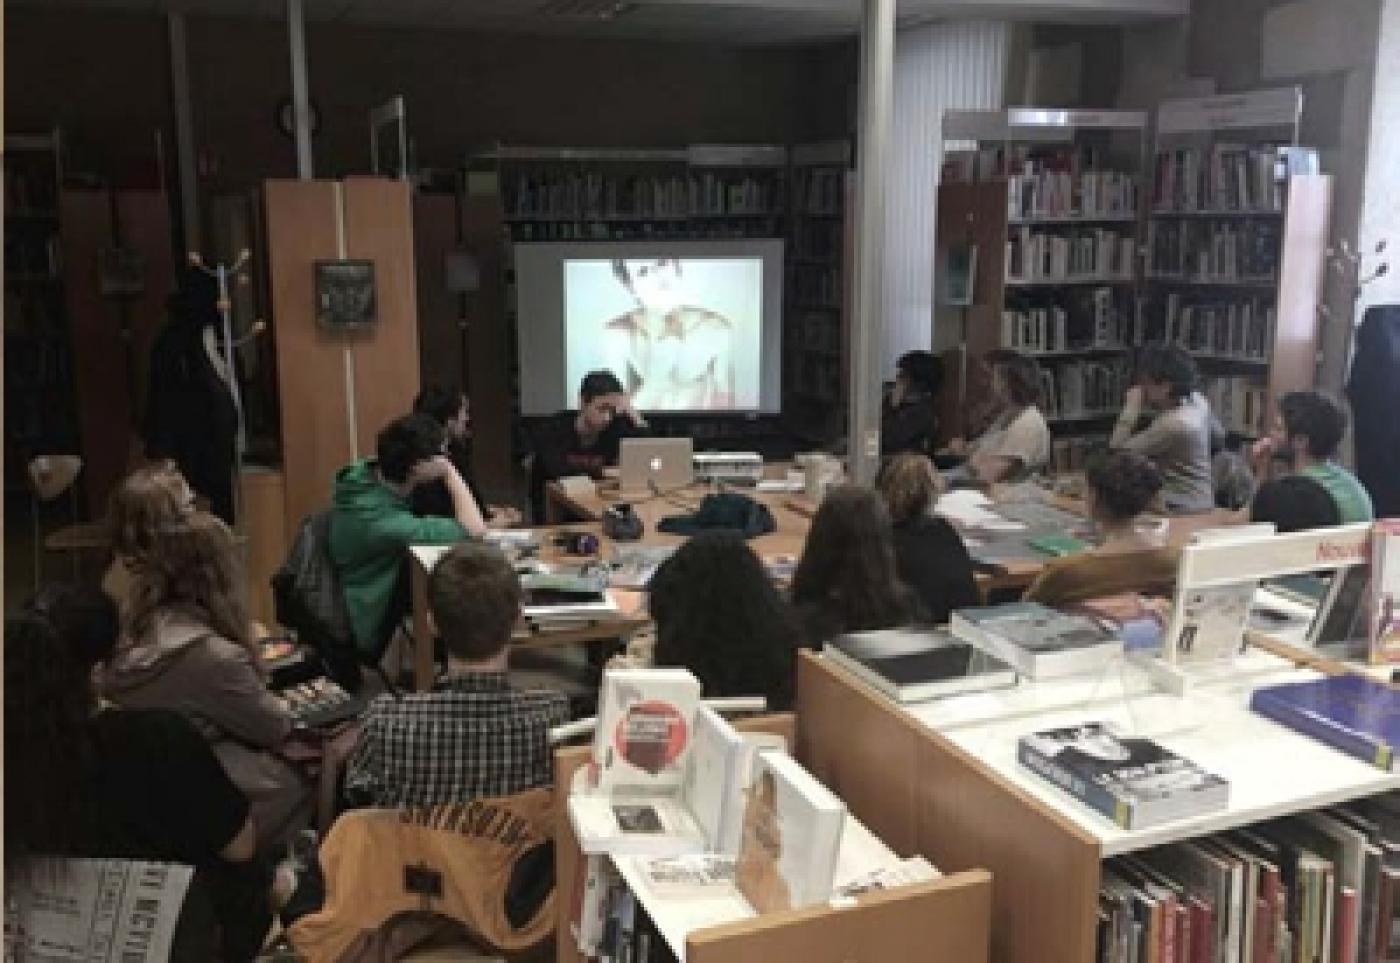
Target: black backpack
column 307, row 599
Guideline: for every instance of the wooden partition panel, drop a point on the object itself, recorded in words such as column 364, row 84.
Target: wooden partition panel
column 1301, row 278
column 865, row 750
column 301, row 229
column 143, row 224
column 379, row 227
column 964, row 816
column 939, row 922
column 306, row 221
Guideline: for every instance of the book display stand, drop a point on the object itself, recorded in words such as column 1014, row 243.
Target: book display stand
column 940, row 921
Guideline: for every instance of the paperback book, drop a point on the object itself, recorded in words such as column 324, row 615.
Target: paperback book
column 913, row 665
column 1357, row 715
column 791, row 835
column 1037, row 641
column 1135, row 783
column 1385, row 591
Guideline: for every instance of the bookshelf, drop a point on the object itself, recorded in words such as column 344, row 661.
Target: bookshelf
column 941, row 921
column 1235, row 249
column 955, row 784
column 815, row 321
column 39, row 387
column 1051, row 201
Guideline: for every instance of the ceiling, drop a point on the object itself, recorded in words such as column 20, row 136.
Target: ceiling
column 716, row 21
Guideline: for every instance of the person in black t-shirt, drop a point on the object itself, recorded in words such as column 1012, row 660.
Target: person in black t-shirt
column 586, row 441
column 450, row 408
column 929, row 553
column 126, row 784
column 909, row 421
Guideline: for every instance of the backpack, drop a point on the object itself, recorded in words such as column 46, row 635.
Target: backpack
column 307, row 599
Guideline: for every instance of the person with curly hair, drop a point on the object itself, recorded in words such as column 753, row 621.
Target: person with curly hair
column 103, row 782
column 846, row 580
column 719, row 615
column 929, row 553
column 1121, row 486
column 187, row 646
column 1304, row 440
column 1178, row 437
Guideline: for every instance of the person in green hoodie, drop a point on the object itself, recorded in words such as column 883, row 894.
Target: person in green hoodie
column 372, row 523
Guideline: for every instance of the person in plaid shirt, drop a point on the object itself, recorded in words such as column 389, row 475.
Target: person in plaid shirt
column 473, row 736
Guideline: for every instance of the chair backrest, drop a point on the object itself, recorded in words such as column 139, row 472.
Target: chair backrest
column 307, row 595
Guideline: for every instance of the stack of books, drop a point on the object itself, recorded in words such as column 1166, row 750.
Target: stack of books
column 1037, row 641
column 915, row 665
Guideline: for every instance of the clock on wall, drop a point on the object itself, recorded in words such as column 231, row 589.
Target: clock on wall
column 286, row 117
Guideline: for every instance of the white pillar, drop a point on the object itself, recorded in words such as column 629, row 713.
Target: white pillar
column 872, row 174
column 301, row 103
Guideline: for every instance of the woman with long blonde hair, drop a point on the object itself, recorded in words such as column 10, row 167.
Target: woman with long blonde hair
column 186, row 642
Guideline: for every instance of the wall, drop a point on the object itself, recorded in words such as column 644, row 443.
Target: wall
column 938, row 67
column 105, row 78
column 1327, row 46
column 1380, row 219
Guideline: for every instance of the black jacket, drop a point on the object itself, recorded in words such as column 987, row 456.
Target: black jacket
column 913, row 426
column 932, row 560
column 434, row 499
column 560, row 453
column 1374, row 392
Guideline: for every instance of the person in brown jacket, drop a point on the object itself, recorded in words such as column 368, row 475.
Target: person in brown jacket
column 186, row 645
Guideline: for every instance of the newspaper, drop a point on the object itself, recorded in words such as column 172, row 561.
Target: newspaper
column 94, row 911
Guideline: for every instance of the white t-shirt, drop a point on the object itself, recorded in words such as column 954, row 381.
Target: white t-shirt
column 1022, row 436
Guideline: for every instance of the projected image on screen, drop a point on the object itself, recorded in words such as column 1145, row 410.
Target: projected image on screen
column 682, row 334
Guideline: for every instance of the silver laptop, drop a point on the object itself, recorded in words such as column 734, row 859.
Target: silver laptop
column 648, row 465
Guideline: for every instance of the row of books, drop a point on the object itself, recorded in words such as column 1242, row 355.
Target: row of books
column 1213, row 251
column 822, row 191
column 1084, row 388
column 1223, row 177
column 1033, row 255
column 1093, row 318
column 592, row 195
column 1224, row 328
column 33, row 255
column 1044, row 194
column 820, row 239
column 664, row 230
column 30, row 191
column 817, row 285
column 1321, row 887
column 1238, row 402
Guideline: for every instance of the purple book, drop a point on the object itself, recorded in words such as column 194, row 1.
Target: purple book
column 1357, row 715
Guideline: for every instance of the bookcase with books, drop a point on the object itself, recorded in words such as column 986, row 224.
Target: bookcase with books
column 816, row 314
column 1235, row 249
column 1051, row 201
column 683, row 837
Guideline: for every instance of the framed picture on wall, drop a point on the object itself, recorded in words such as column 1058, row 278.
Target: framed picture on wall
column 345, row 295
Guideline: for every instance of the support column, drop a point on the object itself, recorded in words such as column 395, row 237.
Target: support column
column 184, row 132
column 301, row 102
column 872, row 174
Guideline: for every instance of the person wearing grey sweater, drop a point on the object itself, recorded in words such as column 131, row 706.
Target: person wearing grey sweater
column 1178, row 437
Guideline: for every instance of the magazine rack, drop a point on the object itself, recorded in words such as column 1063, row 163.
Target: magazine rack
column 941, row 921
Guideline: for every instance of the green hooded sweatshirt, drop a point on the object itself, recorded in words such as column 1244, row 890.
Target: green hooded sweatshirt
column 371, row 530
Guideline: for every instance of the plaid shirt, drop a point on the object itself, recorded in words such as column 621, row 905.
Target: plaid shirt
column 472, row 737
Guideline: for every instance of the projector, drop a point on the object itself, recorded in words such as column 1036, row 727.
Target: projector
column 728, row 467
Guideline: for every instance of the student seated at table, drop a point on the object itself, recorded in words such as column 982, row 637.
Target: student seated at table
column 909, row 421
column 1304, row 441
column 474, row 735
column 1294, row 503
column 186, row 644
column 929, row 553
column 1120, row 486
column 1017, row 444
column 1178, row 437
column 88, row 780
column 846, row 580
column 719, row 615
column 586, row 441
column 373, row 525
column 450, row 408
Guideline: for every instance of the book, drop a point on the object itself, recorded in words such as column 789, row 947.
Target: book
column 913, row 665
column 1058, row 545
column 1357, row 715
column 1037, row 641
column 633, row 825
column 714, row 780
column 792, row 827
column 692, row 876
column 643, row 738
column 1135, row 783
column 1385, row 591
column 914, row 869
